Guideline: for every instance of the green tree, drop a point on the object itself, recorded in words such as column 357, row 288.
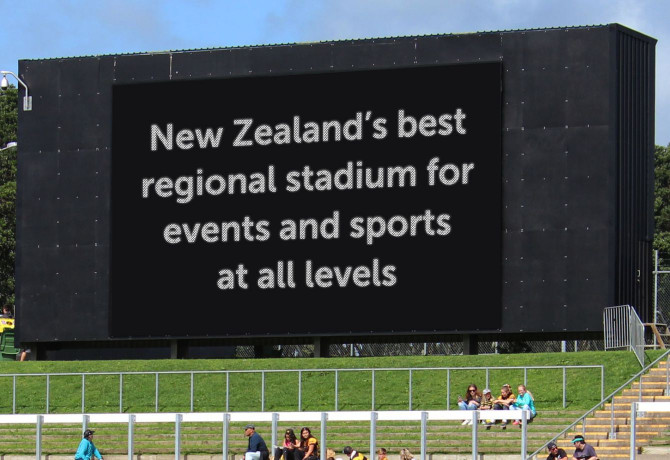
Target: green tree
column 662, row 201
column 8, row 133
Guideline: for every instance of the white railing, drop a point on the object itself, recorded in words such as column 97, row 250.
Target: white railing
column 274, row 417
column 624, row 330
column 640, row 409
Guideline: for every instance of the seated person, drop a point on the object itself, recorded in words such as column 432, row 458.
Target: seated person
column 504, row 401
column 524, row 401
column 487, row 404
column 555, row 453
column 288, row 447
column 309, row 445
column 583, row 450
column 472, row 401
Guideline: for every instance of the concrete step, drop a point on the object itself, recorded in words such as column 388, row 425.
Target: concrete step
column 645, row 391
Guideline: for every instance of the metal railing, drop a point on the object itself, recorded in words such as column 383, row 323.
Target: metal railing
column 274, row 418
column 639, row 409
column 611, row 396
column 300, row 372
column 624, row 329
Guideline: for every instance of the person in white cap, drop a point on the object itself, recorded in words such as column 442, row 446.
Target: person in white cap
column 487, row 404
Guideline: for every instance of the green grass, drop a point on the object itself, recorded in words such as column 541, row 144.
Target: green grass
column 318, row 388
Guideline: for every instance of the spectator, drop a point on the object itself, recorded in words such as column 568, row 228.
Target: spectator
column 503, row 402
column 309, row 445
column 352, row 454
column 405, row 454
column 381, row 454
column 7, row 312
column 583, row 450
column 487, row 404
column 86, row 448
column 524, row 401
column 555, row 453
column 288, row 447
column 256, row 449
column 472, row 401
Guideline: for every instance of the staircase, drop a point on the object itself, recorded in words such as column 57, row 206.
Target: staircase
column 651, row 428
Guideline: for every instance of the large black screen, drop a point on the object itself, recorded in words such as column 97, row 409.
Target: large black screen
column 328, row 203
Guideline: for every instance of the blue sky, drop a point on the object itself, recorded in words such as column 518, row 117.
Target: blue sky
column 48, row 28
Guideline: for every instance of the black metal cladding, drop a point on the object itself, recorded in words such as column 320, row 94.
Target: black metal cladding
column 634, row 145
column 577, row 157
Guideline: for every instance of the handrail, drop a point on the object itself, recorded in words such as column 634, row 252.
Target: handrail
column 601, row 403
column 335, row 371
column 259, row 371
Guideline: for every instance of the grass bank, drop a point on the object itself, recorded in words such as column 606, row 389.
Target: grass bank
column 354, row 388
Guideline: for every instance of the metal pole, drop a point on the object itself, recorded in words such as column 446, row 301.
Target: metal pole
column 38, row 437
column 373, row 433
column 121, row 394
column 131, row 437
column 563, row 346
column 227, row 391
column 14, row 394
column 191, row 391
column 602, row 383
column 448, row 387
column 525, row 376
column 336, row 395
column 48, row 390
column 299, row 391
column 487, row 379
column 157, row 395
column 424, row 434
column 667, row 376
column 564, row 389
column 263, row 392
column 524, row 434
column 226, row 426
column 474, row 434
column 83, row 393
column 655, row 290
column 410, row 391
column 373, row 391
column 177, row 436
column 275, row 419
column 633, row 421
column 612, row 433
column 324, row 437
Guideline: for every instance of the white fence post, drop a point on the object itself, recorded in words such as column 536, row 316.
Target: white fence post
column 131, row 436
column 38, row 437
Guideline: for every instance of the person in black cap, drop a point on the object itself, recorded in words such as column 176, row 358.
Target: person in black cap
column 257, row 449
column 352, row 454
column 86, row 448
column 583, row 450
column 555, row 453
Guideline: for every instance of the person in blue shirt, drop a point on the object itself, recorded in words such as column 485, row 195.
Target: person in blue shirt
column 86, row 448
column 524, row 401
column 257, row 449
